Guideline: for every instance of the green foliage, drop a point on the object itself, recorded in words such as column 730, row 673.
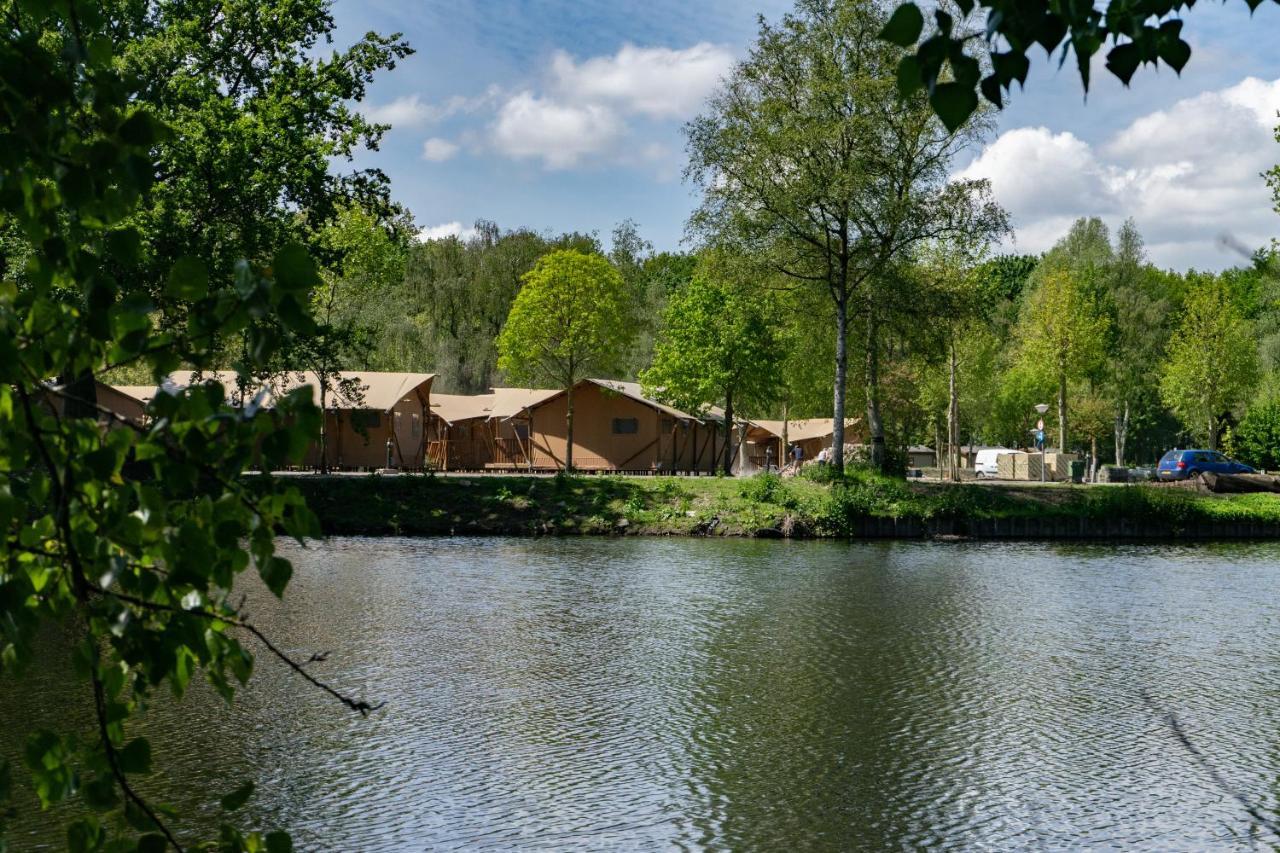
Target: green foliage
column 765, row 487
column 947, row 62
column 811, row 164
column 1213, row 363
column 1063, row 334
column 1258, row 436
column 132, row 536
column 570, row 320
column 718, row 345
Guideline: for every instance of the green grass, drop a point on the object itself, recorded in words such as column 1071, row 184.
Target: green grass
column 761, row 505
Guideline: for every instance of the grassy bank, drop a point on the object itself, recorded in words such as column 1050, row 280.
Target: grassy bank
column 758, row 506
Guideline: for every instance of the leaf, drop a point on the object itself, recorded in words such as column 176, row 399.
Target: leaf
column 1175, row 52
column 188, row 279
column 1123, row 60
column 238, row 797
column 953, row 103
column 910, row 80
column 279, row 842
column 137, row 818
column 294, row 269
column 276, row 572
column 84, row 835
column 991, row 91
column 153, row 843
column 904, row 26
column 136, row 756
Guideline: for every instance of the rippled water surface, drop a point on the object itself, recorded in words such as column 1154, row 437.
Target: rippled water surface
column 611, row 694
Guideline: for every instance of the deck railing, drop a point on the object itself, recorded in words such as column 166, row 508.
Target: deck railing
column 473, row 454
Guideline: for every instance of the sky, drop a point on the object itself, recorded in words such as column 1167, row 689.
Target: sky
column 567, row 116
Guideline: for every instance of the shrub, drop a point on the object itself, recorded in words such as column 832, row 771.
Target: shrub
column 762, row 488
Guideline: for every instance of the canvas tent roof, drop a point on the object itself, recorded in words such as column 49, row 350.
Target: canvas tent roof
column 453, row 408
column 141, row 393
column 635, row 392
column 803, row 430
column 509, row 402
column 370, row 389
column 616, row 386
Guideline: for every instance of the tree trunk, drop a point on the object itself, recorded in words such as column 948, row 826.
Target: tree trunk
column 728, row 433
column 953, row 420
column 568, row 450
column 782, row 457
column 875, row 424
column 1093, row 459
column 1062, row 411
column 1122, row 432
column 1213, row 433
column 324, row 425
column 938, row 445
column 842, row 375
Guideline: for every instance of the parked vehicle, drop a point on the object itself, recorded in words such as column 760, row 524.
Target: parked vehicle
column 1181, row 464
column 984, row 464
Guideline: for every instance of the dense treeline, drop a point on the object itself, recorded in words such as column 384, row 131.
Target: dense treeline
column 1118, row 322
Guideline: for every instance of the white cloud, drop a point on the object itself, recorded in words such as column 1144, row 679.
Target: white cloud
column 578, row 114
column 408, row 111
column 446, row 229
column 655, row 81
column 438, row 150
column 559, row 134
column 1187, row 175
column 412, row 111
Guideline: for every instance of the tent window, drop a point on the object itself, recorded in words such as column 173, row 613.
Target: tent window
column 415, row 425
column 625, row 426
column 366, row 419
column 521, row 431
column 667, row 424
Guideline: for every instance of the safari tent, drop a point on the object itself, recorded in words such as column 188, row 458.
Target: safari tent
column 615, row 428
column 370, row 417
column 812, row 434
column 122, row 402
column 482, row 431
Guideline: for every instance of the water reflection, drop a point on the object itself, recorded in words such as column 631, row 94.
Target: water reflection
column 744, row 695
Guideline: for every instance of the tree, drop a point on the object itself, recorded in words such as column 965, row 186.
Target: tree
column 1006, row 30
column 1212, row 366
column 1093, row 416
column 809, row 161
column 718, row 345
column 128, row 537
column 1140, row 328
column 1259, row 435
column 1062, row 335
column 571, row 319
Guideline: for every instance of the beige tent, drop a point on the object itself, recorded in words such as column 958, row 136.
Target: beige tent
column 114, row 403
column 369, row 417
column 615, row 428
column 482, row 431
column 812, row 434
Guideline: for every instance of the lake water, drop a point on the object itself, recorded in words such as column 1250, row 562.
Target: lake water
column 658, row 694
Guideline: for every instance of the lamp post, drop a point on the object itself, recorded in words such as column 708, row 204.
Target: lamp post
column 1041, row 408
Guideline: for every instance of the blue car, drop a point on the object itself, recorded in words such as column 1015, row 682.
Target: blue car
column 1181, row 464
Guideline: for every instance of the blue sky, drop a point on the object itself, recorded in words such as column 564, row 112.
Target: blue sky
column 567, row 116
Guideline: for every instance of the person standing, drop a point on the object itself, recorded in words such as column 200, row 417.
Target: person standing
column 797, row 455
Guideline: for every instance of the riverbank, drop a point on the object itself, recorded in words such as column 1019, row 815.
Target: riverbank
column 863, row 506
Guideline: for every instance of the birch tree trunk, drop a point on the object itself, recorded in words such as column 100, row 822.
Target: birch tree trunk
column 953, row 420
column 842, row 376
column 875, row 424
